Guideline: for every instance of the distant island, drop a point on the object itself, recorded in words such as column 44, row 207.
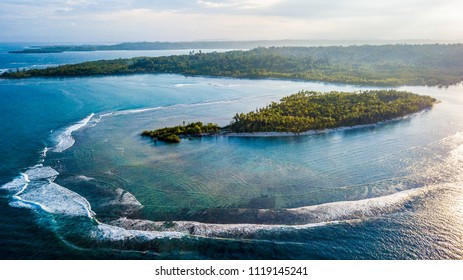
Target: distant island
column 190, row 45
column 386, row 65
column 137, row 46
column 310, row 111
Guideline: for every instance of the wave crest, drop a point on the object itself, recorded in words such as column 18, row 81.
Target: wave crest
column 65, row 140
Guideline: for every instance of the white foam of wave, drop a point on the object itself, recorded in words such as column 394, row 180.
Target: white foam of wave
column 65, row 139
column 43, row 153
column 315, row 216
column 126, row 112
column 325, row 214
column 114, row 233
column 19, row 204
column 209, row 84
column 222, row 85
column 211, row 230
column 183, row 85
column 36, row 172
column 41, row 172
column 56, row 199
column 26, row 179
column 182, row 105
column 96, row 120
column 16, row 184
column 457, row 154
column 143, row 110
column 84, row 178
column 36, row 187
column 124, row 197
column 361, row 208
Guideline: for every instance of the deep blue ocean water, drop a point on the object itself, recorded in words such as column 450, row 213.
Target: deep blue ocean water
column 79, row 182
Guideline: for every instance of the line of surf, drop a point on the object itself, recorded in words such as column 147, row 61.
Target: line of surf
column 167, row 107
column 309, row 217
column 65, row 140
column 35, row 189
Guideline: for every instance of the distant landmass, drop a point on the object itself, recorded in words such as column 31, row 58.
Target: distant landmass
column 196, row 45
column 384, row 65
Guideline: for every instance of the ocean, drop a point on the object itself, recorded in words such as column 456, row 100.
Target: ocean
column 79, row 182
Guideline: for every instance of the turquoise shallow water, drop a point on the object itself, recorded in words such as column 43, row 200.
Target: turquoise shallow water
column 79, row 182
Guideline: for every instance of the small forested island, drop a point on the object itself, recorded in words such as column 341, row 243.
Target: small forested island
column 386, row 65
column 309, row 110
column 171, row 134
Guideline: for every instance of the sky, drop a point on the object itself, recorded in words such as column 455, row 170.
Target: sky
column 195, row 20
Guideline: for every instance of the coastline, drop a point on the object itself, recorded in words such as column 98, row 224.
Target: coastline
column 314, row 132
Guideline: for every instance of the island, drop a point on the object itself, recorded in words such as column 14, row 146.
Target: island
column 384, row 65
column 171, row 134
column 308, row 111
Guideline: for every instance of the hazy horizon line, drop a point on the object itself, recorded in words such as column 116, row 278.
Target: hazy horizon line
column 372, row 41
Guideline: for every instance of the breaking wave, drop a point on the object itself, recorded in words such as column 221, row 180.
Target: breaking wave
column 35, row 189
column 95, row 121
column 65, row 140
column 307, row 217
column 183, row 85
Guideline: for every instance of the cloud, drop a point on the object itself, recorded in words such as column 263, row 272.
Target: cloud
column 240, row 5
column 177, row 20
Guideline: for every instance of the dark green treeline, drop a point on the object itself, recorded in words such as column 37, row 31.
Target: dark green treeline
column 386, row 65
column 308, row 110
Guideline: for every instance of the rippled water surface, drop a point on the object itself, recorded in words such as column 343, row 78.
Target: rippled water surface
column 79, row 182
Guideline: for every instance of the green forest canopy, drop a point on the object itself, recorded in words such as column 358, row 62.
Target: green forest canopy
column 309, row 110
column 386, row 65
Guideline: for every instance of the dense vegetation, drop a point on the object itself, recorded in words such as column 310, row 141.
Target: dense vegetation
column 171, row 134
column 308, row 110
column 387, row 65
